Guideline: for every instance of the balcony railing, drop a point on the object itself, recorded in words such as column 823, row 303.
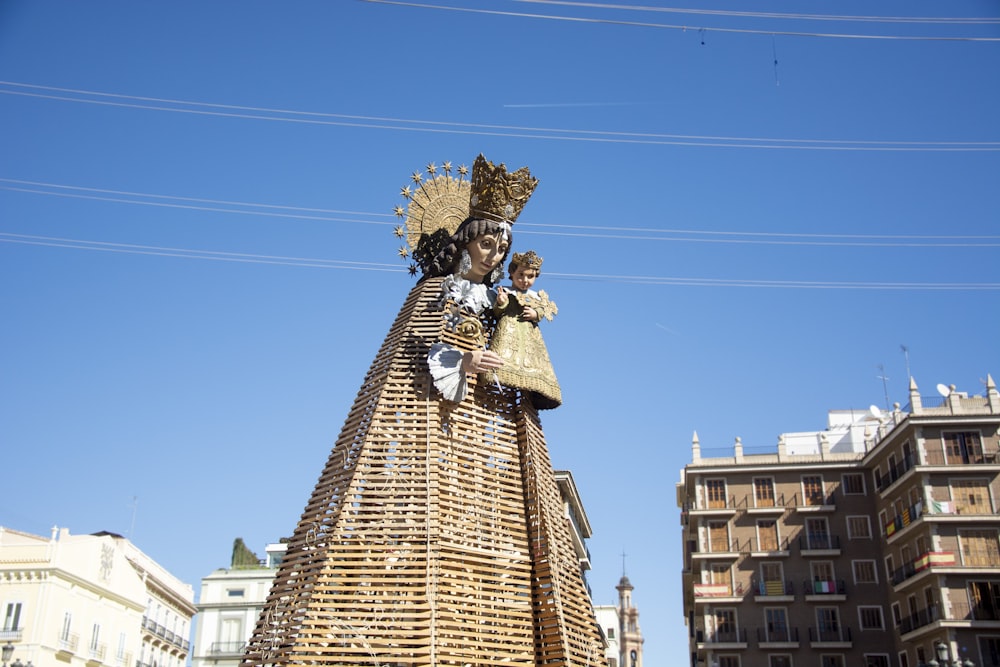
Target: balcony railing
column 883, row 482
column 737, row 636
column 715, row 591
column 819, row 541
column 97, row 651
column 772, row 587
column 919, row 619
column 927, row 560
column 825, row 587
column 172, row 637
column 11, row 635
column 777, row 634
column 769, row 544
column 228, row 648
column 826, row 634
column 68, row 642
column 936, row 456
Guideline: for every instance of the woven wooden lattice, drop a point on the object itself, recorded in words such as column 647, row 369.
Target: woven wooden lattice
column 435, row 534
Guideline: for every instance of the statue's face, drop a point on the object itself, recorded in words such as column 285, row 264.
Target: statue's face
column 523, row 277
column 486, row 252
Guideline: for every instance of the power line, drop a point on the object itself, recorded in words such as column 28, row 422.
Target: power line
column 482, row 129
column 641, row 24
column 776, row 15
column 543, row 229
column 188, row 253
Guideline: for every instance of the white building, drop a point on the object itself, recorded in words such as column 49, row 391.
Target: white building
column 230, row 602
column 90, row 600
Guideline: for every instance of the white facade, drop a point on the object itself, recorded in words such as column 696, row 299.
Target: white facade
column 90, row 600
column 610, row 622
column 230, row 602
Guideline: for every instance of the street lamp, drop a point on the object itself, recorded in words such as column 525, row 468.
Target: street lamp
column 942, row 652
column 6, row 652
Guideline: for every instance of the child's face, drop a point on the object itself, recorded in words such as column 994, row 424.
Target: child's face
column 523, row 277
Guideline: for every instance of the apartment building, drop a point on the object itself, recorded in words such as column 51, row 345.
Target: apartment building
column 875, row 542
column 90, row 600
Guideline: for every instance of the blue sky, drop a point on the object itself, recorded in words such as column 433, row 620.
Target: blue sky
column 197, row 262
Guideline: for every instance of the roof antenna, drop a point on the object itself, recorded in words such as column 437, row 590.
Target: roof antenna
column 623, row 562
column 131, row 528
column 885, row 387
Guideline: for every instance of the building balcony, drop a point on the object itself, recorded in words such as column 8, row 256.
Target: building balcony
column 232, row 649
column 825, row 590
column 819, row 544
column 814, row 502
column 928, row 560
column 777, row 638
column 774, row 590
column 919, row 619
column 11, row 635
column 714, row 507
column 170, row 637
column 893, row 475
column 769, row 547
column 718, row 547
column 937, row 456
column 67, row 643
column 716, row 593
column 96, row 652
column 825, row 637
column 722, row 639
column 774, row 505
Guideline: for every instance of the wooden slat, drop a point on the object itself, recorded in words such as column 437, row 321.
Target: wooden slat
column 435, row 534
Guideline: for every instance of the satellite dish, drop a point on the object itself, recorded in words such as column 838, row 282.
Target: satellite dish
column 943, row 389
column 875, row 412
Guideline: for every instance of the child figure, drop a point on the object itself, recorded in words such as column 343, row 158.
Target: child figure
column 517, row 338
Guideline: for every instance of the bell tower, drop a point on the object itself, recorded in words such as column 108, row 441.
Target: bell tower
column 629, row 633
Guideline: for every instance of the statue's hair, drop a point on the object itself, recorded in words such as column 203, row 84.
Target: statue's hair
column 445, row 262
column 513, row 265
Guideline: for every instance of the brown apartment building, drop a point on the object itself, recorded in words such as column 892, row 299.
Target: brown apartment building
column 872, row 543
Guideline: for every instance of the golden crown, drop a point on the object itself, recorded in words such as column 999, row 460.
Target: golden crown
column 498, row 194
column 529, row 260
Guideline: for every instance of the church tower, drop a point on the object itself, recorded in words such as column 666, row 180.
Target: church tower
column 630, row 635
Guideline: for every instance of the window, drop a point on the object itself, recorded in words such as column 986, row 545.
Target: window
column 776, row 624
column 864, row 571
column 779, row 661
column 767, row 535
column 817, row 533
column 853, row 483
column 822, row 576
column 12, row 617
column 95, row 638
column 66, row 626
column 812, row 490
column 889, row 566
column 235, row 592
column 880, row 660
column 611, row 633
column 962, row 447
column 763, row 492
column 971, row 496
column 612, row 662
column 979, row 547
column 718, row 536
column 729, row 661
column 120, row 653
column 828, row 624
column 725, row 625
column 859, row 527
column 720, row 574
column 870, row 618
column 831, row 660
column 771, row 579
column 715, row 492
column 984, row 597
column 897, row 615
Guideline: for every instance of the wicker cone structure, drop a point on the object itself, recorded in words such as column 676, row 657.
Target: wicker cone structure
column 435, row 534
